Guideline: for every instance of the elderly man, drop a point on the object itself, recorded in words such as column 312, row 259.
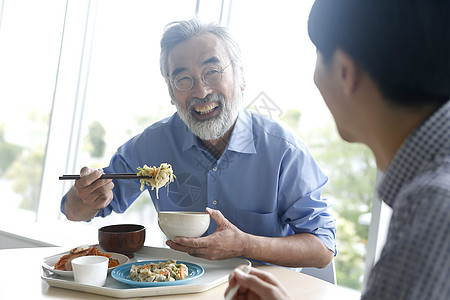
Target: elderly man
column 383, row 69
column 259, row 182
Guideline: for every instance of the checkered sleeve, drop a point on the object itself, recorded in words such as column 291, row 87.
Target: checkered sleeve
column 415, row 262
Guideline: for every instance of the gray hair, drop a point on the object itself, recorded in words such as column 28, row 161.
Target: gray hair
column 180, row 31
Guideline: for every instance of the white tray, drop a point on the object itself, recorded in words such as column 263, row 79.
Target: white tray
column 216, row 273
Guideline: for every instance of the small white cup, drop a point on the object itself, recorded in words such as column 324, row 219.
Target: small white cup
column 90, row 270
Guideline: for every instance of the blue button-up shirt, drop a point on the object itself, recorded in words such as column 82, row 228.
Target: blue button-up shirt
column 266, row 182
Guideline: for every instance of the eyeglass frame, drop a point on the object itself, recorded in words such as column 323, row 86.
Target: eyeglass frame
column 172, row 80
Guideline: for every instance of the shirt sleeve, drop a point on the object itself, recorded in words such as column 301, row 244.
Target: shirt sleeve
column 125, row 160
column 300, row 192
column 125, row 192
column 63, row 203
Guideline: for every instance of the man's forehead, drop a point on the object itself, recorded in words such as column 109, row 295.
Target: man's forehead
column 198, row 51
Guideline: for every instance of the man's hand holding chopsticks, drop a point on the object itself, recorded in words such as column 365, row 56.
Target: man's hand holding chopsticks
column 88, row 195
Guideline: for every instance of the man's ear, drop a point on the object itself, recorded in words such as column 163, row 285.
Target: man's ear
column 348, row 72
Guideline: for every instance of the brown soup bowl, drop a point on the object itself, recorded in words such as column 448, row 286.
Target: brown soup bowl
column 122, row 238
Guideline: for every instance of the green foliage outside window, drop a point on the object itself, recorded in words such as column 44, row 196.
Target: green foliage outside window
column 17, row 160
column 9, row 152
column 95, row 140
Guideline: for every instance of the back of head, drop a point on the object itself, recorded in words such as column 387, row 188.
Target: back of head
column 179, row 31
column 403, row 44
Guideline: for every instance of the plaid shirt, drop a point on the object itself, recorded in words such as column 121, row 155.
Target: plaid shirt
column 415, row 262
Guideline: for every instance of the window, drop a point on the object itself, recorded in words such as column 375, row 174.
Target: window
column 82, row 77
column 30, row 45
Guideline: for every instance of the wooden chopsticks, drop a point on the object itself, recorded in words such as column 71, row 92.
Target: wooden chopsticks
column 107, row 176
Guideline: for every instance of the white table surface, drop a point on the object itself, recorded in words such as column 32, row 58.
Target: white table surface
column 20, row 276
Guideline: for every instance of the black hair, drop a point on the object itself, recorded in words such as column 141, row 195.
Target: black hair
column 403, row 44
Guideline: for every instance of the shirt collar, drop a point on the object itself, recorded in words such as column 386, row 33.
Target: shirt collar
column 430, row 142
column 241, row 139
column 190, row 140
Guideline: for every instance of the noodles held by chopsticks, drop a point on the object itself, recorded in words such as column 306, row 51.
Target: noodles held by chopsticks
column 159, row 177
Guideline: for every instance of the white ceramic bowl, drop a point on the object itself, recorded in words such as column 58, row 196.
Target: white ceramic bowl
column 90, row 269
column 183, row 223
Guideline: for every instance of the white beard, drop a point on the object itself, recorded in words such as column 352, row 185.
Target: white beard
column 216, row 127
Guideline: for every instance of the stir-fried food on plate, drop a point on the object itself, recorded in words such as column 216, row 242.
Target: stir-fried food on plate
column 64, row 263
column 159, row 177
column 159, row 272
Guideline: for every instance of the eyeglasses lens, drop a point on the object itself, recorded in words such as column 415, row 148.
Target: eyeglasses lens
column 185, row 82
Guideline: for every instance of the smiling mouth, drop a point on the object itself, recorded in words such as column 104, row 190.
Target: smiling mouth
column 203, row 109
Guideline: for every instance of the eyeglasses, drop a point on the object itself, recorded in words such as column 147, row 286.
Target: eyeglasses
column 211, row 76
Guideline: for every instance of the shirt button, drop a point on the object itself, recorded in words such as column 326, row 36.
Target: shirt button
column 214, row 202
column 215, row 169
